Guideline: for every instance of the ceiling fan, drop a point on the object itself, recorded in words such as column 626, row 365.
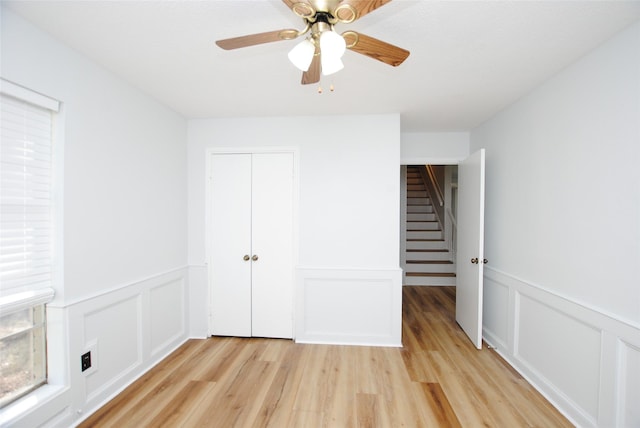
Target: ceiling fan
column 322, row 49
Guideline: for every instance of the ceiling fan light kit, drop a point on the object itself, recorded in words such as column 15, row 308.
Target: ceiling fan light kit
column 302, row 54
column 331, row 65
column 323, row 49
column 332, row 47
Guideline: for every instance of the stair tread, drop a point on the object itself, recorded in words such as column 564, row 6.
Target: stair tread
column 430, row 262
column 425, row 225
column 427, row 250
column 441, row 274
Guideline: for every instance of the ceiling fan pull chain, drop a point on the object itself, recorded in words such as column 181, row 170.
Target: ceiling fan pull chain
column 331, row 88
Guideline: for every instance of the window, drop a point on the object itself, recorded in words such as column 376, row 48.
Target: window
column 23, row 349
column 26, row 231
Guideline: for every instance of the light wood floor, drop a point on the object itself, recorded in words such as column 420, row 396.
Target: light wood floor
column 437, row 380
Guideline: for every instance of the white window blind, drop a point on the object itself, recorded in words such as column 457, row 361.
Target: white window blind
column 25, row 197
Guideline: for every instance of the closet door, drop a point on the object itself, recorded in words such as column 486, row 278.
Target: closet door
column 272, row 245
column 251, row 247
column 230, row 241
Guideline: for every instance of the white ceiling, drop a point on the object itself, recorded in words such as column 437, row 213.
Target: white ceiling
column 469, row 59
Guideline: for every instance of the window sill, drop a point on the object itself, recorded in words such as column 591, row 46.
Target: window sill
column 37, row 401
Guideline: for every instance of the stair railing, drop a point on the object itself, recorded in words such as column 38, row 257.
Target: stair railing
column 433, row 190
column 453, row 233
column 436, row 185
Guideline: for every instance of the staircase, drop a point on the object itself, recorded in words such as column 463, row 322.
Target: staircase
column 429, row 261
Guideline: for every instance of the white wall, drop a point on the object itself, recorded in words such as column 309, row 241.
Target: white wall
column 121, row 289
column 562, row 300
column 348, row 216
column 436, row 148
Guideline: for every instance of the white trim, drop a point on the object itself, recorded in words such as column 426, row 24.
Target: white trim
column 176, row 271
column 318, row 270
column 430, row 161
column 27, row 299
column 604, row 316
column 53, row 398
column 57, row 198
column 616, row 335
column 24, row 94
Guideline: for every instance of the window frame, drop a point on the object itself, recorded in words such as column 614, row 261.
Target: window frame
column 39, row 297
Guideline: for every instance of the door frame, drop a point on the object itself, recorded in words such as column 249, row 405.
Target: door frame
column 404, row 162
column 208, row 212
column 426, row 161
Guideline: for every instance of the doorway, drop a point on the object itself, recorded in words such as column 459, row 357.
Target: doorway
column 426, row 205
column 428, row 224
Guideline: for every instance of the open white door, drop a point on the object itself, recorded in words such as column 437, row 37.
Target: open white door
column 470, row 246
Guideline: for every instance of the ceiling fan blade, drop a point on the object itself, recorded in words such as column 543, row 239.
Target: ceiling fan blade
column 313, row 74
column 374, row 48
column 257, row 39
column 362, row 7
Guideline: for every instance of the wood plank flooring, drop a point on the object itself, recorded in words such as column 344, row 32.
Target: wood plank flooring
column 438, row 379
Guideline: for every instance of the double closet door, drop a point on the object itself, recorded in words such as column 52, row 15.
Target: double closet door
column 251, row 265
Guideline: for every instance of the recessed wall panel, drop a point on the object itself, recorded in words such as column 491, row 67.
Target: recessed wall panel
column 630, row 386
column 166, row 313
column 562, row 350
column 348, row 307
column 495, row 309
column 116, row 330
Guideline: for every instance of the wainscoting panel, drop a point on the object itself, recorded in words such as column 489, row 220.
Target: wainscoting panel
column 495, row 311
column 349, row 306
column 560, row 349
column 127, row 330
column 587, row 363
column 629, row 381
column 113, row 335
column 166, row 325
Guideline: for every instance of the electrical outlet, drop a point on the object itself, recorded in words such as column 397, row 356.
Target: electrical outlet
column 90, row 358
column 86, row 360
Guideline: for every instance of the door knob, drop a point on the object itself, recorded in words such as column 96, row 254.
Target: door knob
column 485, row 261
column 254, row 258
column 246, row 257
column 474, row 260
